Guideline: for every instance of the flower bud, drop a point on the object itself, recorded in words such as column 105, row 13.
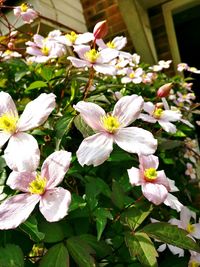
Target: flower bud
column 11, row 46
column 164, row 90
column 100, row 29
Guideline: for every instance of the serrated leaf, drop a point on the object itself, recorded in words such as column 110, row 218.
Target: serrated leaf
column 134, row 216
column 63, row 125
column 171, row 234
column 30, row 227
column 141, row 246
column 83, row 127
column 56, row 256
column 11, row 256
column 81, row 252
column 36, row 85
column 101, row 215
column 52, row 232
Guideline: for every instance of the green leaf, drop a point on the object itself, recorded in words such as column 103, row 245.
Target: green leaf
column 63, row 125
column 36, row 85
column 118, row 196
column 101, row 215
column 141, row 246
column 171, row 234
column 53, row 231
column 30, row 227
column 56, row 256
column 134, row 216
column 81, row 252
column 76, row 202
column 82, row 126
column 47, row 73
column 11, row 256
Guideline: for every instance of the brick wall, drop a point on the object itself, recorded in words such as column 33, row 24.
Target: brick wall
column 95, row 11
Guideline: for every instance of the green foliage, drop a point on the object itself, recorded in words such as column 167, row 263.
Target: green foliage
column 11, row 256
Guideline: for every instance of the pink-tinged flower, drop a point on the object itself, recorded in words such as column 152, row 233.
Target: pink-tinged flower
column 190, row 171
column 162, row 64
column 117, row 43
column 134, row 76
column 194, row 259
column 100, row 29
column 163, row 117
column 53, row 201
column 92, row 58
column 134, row 60
column 112, row 128
column 25, row 12
column 149, row 77
column 182, row 66
column 22, row 152
column 73, row 38
column 155, row 185
column 164, row 90
column 8, row 54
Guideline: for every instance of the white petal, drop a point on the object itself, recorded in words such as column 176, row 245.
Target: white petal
column 55, row 167
column 149, row 161
column 95, row 149
column 162, row 247
column 15, row 210
column 128, row 109
column 84, row 38
column 176, row 250
column 105, row 68
column 155, row 193
column 108, row 54
column 149, row 107
column 196, row 232
column 36, row 112
column 91, row 113
column 79, row 63
column 7, row 105
column 54, row 204
column 173, row 202
column 136, row 140
column 170, row 115
column 4, row 138
column 134, row 176
column 167, row 126
column 147, row 118
column 20, row 180
column 22, row 153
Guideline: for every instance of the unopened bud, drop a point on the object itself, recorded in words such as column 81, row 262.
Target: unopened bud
column 100, row 29
column 11, row 46
column 164, row 90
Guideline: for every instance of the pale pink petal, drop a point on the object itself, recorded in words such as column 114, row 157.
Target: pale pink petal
column 126, row 80
column 81, row 50
column 95, row 149
column 162, row 247
column 4, row 138
column 170, row 115
column 172, row 186
column 101, row 43
column 196, row 232
column 108, row 54
column 173, row 202
column 147, row 162
column 54, row 204
column 167, row 126
column 128, row 109
column 149, row 107
column 137, row 80
column 15, row 210
column 7, row 105
column 136, row 140
column 162, row 179
column 176, row 250
column 91, row 113
column 134, row 176
column 36, row 112
column 187, row 123
column 20, row 180
column 79, row 63
column 22, row 153
column 147, row 118
column 84, row 38
column 186, row 215
column 119, row 42
column 105, row 69
column 55, row 167
column 155, row 193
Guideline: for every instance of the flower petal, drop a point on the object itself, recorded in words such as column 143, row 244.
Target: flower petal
column 147, row 118
column 186, row 215
column 128, row 109
column 171, row 115
column 134, row 176
column 173, row 202
column 105, row 69
column 4, row 138
column 55, row 167
column 196, row 232
column 22, row 153
column 7, row 105
column 175, row 250
column 136, row 140
column 36, row 112
column 108, row 54
column 149, row 107
column 147, row 162
column 20, row 180
column 15, row 210
column 155, row 193
column 91, row 113
column 79, row 63
column 95, row 149
column 162, row 179
column 167, row 126
column 54, row 204
column 84, row 38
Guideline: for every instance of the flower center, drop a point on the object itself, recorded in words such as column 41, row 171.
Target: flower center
column 190, row 228
column 132, row 75
column 157, row 113
column 150, row 174
column 92, row 55
column 8, row 123
column 24, row 7
column 111, row 45
column 110, row 123
column 45, row 50
column 38, row 185
column 72, row 36
column 194, row 264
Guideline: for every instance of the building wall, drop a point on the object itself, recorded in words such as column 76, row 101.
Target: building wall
column 95, row 11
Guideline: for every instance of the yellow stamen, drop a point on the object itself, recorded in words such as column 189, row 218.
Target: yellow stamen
column 194, row 264
column 190, row 228
column 132, row 75
column 111, row 45
column 8, row 52
column 92, row 55
column 157, row 113
column 8, row 123
column 45, row 50
column 110, row 123
column 150, row 174
column 24, row 7
column 38, row 185
column 72, row 36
